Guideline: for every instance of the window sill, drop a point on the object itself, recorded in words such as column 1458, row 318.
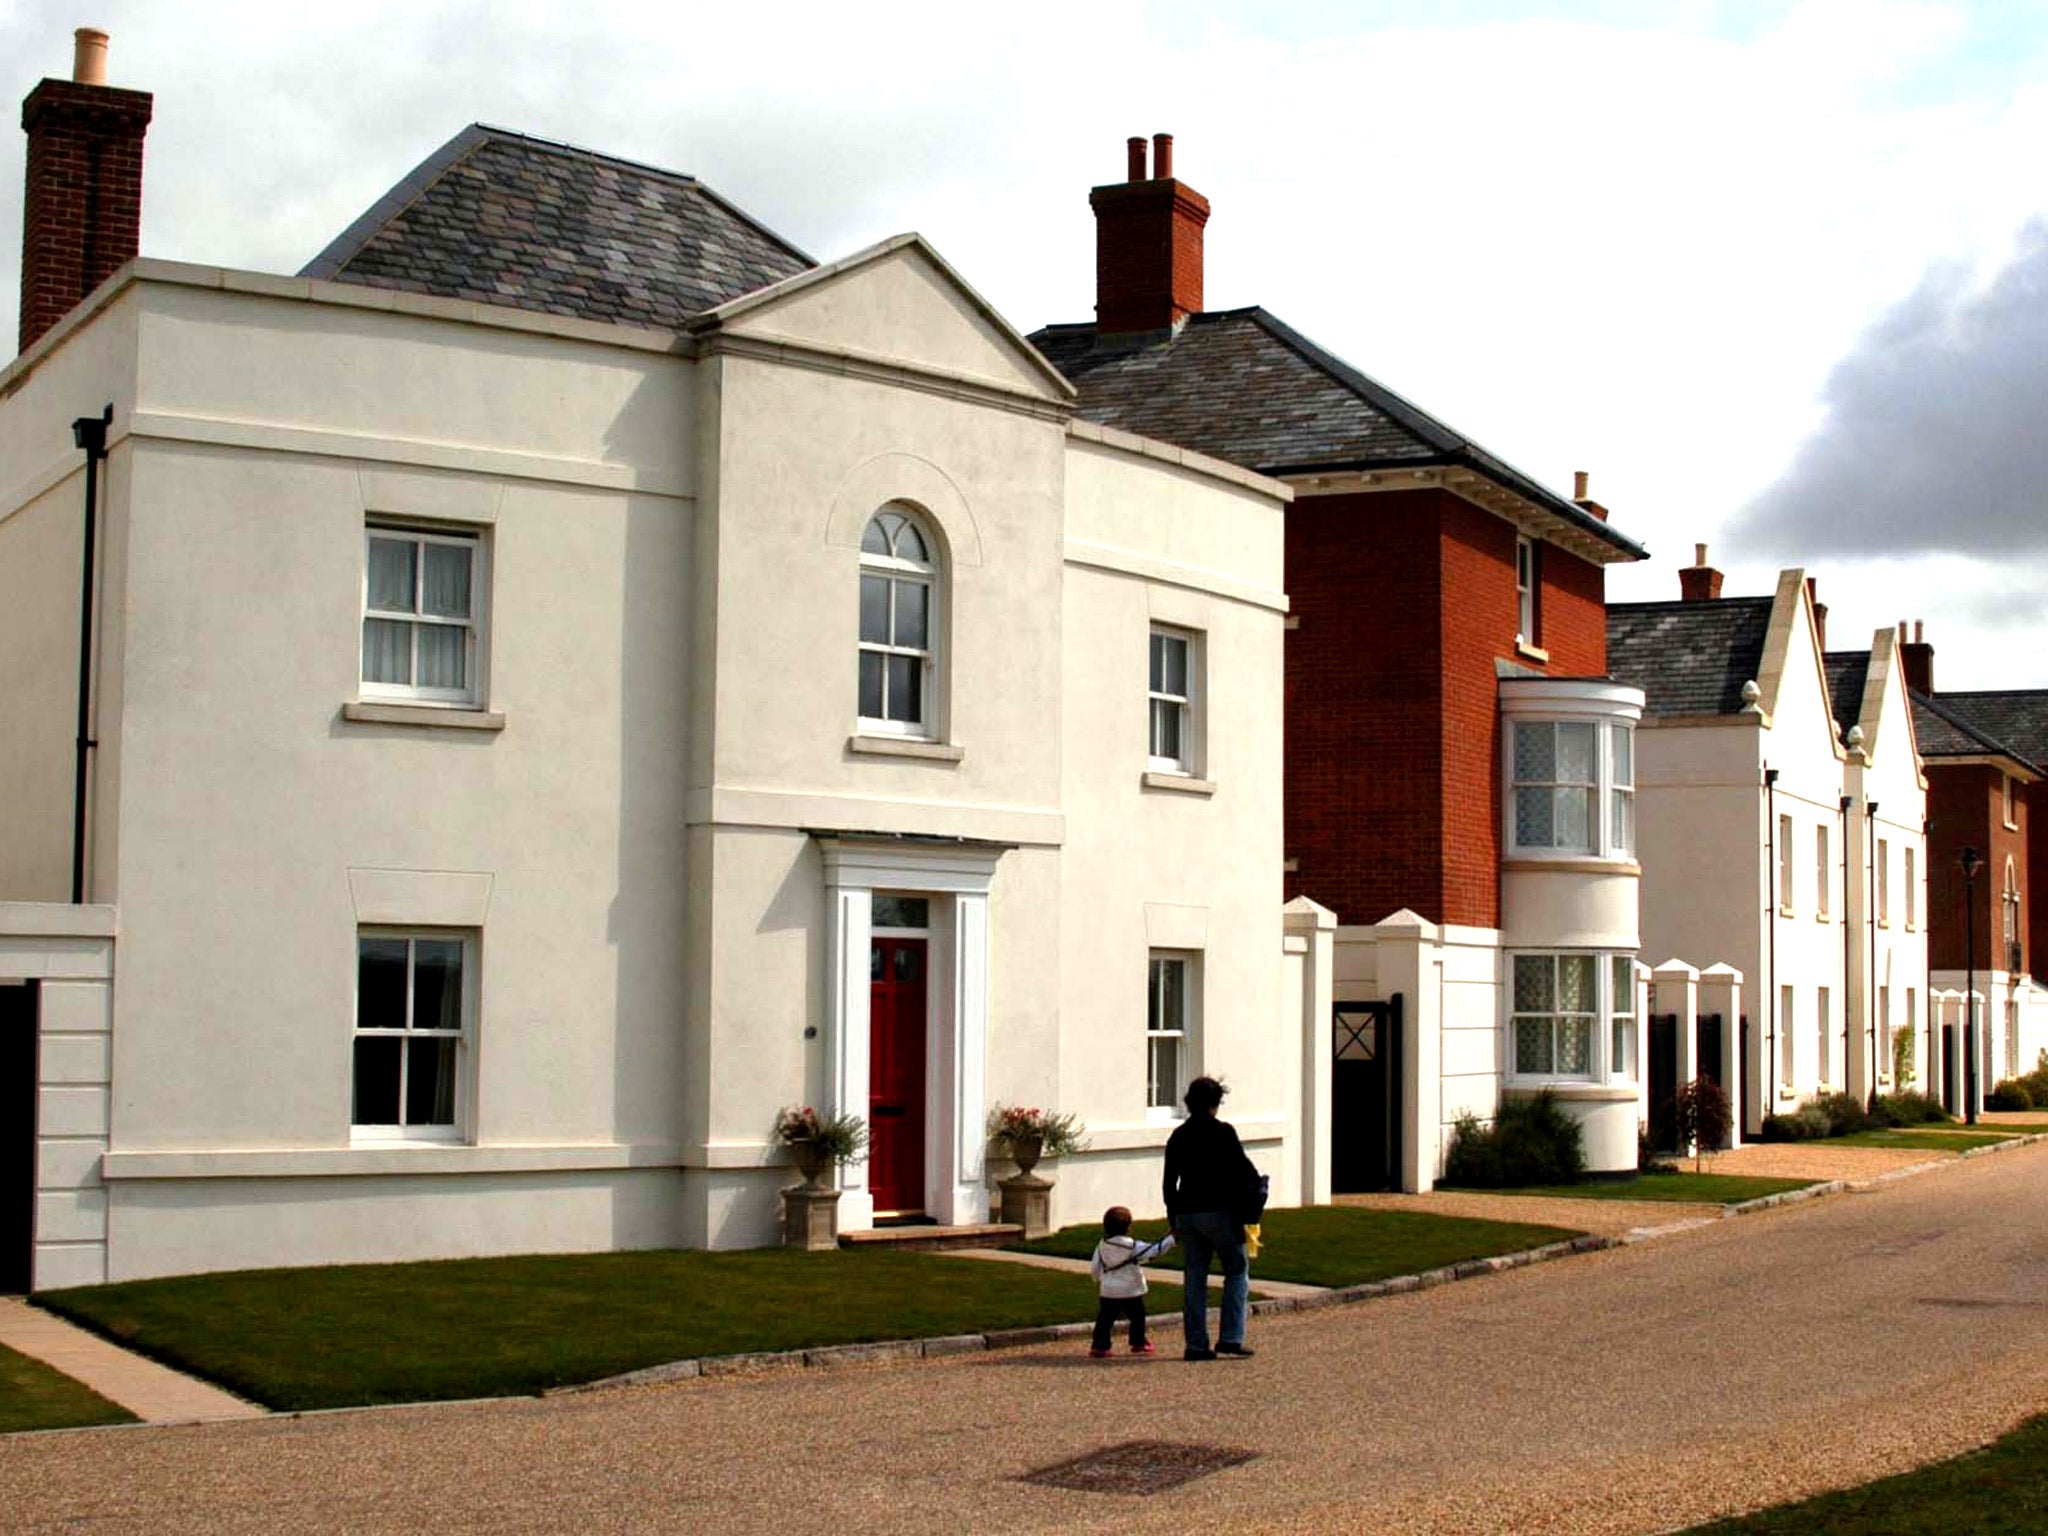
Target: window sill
column 1885, row 922
column 1820, row 917
column 437, row 716
column 1575, row 1090
column 904, row 746
column 1178, row 783
column 1787, row 912
column 1531, row 652
column 1524, row 861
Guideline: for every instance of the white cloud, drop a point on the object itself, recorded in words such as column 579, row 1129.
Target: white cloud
column 1608, row 244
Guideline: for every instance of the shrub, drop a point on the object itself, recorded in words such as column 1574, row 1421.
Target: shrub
column 1904, row 1041
column 1907, row 1108
column 1809, row 1122
column 1704, row 1117
column 1844, row 1112
column 2010, row 1094
column 1531, row 1141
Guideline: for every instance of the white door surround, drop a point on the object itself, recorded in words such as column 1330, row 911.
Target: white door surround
column 954, row 876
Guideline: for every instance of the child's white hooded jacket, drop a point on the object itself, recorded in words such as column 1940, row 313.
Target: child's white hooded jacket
column 1119, row 1264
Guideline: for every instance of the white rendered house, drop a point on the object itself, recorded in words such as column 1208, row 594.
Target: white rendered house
column 1777, row 838
column 538, row 739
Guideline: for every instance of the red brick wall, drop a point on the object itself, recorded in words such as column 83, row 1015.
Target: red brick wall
column 82, row 194
column 1964, row 810
column 1364, row 738
column 1405, row 601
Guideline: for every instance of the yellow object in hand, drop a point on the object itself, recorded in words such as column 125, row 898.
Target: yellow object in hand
column 1251, row 1241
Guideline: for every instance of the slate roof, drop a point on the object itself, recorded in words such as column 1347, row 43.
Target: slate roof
column 2017, row 717
column 1953, row 725
column 1848, row 671
column 1688, row 658
column 501, row 218
column 1239, row 385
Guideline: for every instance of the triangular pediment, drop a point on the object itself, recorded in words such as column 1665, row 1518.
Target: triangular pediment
column 897, row 302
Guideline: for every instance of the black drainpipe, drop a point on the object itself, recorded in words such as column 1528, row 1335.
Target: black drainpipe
column 1768, row 1078
column 1880, row 1029
column 90, row 434
column 1848, row 943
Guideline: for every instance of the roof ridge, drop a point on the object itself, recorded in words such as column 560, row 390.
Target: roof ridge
column 1692, row 603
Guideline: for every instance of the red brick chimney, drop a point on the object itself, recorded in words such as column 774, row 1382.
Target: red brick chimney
column 1916, row 659
column 1699, row 582
column 82, row 197
column 1148, row 245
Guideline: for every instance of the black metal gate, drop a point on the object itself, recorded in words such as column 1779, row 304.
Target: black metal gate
column 17, row 1135
column 1663, row 1082
column 1707, row 1037
column 1738, row 1094
column 1365, row 1097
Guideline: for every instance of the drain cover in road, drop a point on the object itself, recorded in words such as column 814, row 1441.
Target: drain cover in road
column 1138, row 1466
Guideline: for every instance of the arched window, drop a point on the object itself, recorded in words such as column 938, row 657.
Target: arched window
column 899, row 582
column 2010, row 959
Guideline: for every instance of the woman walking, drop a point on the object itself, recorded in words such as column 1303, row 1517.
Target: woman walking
column 1207, row 1178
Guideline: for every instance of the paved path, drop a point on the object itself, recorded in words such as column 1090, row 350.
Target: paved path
column 1740, row 1363
column 1171, row 1276
column 144, row 1388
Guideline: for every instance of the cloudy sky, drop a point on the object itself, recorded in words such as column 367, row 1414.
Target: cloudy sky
column 1775, row 273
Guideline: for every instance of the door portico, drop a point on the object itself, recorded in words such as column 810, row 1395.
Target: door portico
column 953, row 877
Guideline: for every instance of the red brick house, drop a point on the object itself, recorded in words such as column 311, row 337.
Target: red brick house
column 1436, row 590
column 1986, row 756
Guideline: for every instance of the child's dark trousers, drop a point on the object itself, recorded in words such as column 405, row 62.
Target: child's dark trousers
column 1109, row 1308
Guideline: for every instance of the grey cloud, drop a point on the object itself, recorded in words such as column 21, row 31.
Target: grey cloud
column 1933, row 438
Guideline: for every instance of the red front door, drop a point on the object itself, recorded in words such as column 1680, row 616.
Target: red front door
column 896, row 1074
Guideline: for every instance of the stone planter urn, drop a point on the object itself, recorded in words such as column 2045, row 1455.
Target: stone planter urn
column 810, row 1210
column 1027, row 1198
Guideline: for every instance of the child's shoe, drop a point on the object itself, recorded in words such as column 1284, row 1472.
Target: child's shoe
column 1142, row 1349
column 1097, row 1354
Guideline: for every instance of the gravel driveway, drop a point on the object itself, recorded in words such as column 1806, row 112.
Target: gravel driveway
column 1738, row 1363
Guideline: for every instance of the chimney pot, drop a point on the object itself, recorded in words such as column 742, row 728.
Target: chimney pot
column 1916, row 633
column 89, row 56
column 1134, row 159
column 1162, row 156
column 1580, row 480
column 1699, row 556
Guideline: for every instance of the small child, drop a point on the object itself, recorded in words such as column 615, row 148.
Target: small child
column 1119, row 1270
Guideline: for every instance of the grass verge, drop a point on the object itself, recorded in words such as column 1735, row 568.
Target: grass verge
column 2001, row 1490
column 1688, row 1188
column 1961, row 1139
column 1343, row 1245
column 384, row 1333
column 33, row 1396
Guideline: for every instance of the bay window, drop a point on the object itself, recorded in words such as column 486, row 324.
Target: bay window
column 1572, row 787
column 1572, row 1018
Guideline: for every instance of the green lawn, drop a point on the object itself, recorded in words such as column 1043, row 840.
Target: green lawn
column 1342, row 1245
column 350, row 1334
column 1924, row 1139
column 2001, row 1490
column 1692, row 1188
column 32, row 1396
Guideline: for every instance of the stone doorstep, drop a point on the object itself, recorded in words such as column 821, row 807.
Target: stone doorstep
column 915, row 1239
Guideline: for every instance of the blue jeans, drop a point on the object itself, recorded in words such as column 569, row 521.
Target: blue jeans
column 1203, row 1234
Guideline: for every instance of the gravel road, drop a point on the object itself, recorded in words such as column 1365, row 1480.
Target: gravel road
column 1736, row 1364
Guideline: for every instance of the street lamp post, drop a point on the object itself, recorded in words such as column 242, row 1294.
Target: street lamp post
column 1971, row 864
